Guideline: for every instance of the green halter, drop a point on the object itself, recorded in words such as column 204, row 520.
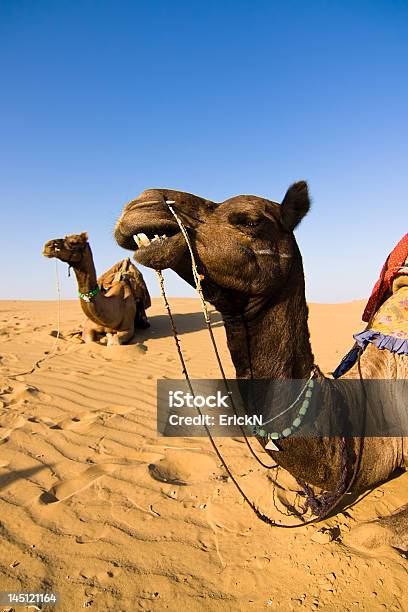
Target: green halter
column 88, row 297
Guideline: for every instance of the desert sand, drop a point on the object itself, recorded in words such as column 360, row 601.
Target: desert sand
column 91, row 500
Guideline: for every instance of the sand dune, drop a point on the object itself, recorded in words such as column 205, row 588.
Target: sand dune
column 97, row 507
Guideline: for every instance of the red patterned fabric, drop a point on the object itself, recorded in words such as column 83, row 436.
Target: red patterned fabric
column 394, row 262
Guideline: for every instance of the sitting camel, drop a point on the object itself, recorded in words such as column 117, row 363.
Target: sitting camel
column 115, row 303
column 252, row 273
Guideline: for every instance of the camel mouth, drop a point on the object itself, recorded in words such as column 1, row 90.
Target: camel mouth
column 51, row 248
column 151, row 231
column 127, row 229
column 158, row 244
column 154, row 236
column 155, row 249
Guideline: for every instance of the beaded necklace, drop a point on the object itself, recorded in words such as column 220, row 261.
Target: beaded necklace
column 307, row 390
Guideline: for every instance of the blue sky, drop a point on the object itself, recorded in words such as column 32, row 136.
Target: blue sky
column 100, row 100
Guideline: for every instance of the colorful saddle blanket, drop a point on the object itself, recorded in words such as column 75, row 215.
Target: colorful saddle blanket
column 389, row 323
column 391, row 268
column 389, row 329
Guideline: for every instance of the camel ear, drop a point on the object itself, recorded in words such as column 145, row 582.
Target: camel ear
column 84, row 236
column 295, row 205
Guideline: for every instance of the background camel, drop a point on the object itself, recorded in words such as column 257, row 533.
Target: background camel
column 253, row 274
column 115, row 303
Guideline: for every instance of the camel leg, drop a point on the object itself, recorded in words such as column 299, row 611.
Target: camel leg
column 120, row 337
column 389, row 530
column 141, row 321
column 89, row 334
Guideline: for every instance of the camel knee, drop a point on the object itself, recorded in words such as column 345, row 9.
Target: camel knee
column 89, row 335
column 120, row 337
column 112, row 340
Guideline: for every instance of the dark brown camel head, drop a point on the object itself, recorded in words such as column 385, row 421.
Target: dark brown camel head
column 69, row 249
column 244, row 246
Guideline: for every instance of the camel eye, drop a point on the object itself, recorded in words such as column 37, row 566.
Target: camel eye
column 244, row 220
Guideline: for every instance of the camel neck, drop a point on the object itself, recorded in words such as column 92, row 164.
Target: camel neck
column 85, row 272
column 275, row 342
column 100, row 310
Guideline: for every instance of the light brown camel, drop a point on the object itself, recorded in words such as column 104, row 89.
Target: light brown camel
column 115, row 303
column 253, row 274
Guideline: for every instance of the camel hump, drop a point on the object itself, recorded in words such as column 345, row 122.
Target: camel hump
column 126, row 271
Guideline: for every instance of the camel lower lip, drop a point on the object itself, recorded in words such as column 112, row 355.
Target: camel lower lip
column 160, row 254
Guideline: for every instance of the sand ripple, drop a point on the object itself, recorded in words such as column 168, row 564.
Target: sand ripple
column 95, row 505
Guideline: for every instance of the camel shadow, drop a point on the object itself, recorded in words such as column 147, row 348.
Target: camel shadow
column 186, row 323
column 7, row 479
column 351, row 499
column 160, row 327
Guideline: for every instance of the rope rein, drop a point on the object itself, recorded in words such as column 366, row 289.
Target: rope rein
column 197, row 278
column 256, row 510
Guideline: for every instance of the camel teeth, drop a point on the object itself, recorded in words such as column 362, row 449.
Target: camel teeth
column 141, row 240
column 170, row 201
column 144, row 239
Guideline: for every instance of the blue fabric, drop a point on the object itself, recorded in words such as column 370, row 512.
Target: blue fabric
column 346, row 363
column 381, row 341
